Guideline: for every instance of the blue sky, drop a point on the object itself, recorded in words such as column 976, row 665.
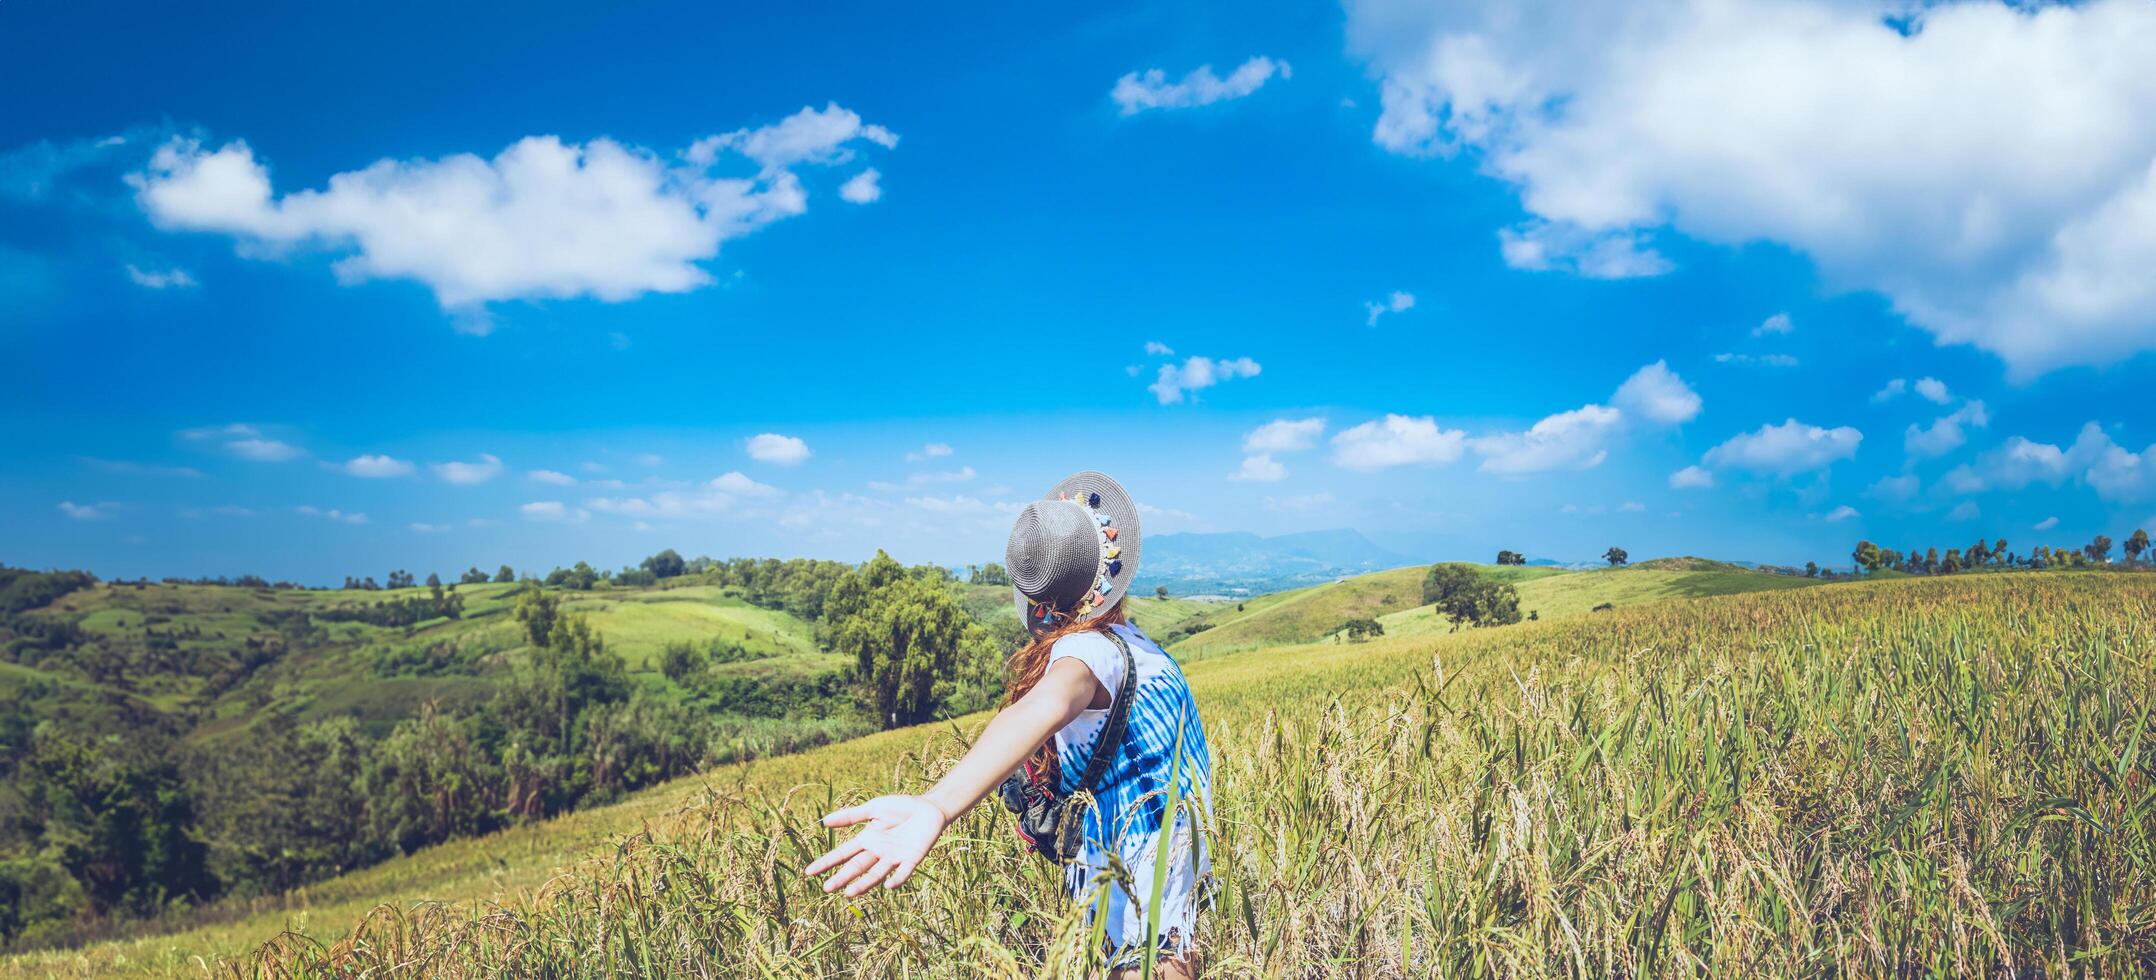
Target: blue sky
column 265, row 277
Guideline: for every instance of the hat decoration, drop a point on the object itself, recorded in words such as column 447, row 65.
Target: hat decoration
column 1111, row 563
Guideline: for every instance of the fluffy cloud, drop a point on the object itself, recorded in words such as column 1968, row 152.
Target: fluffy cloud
column 244, row 441
column 1786, row 449
column 478, row 471
column 1757, row 360
column 1154, row 348
column 553, row 477
column 1567, row 440
column 1990, row 168
column 1934, row 391
column 2046, row 524
column 87, row 512
column 376, row 467
column 770, row 447
column 1398, row 302
column 1137, row 92
column 160, row 278
column 862, row 188
column 1840, row 514
column 1691, row 478
column 1174, row 380
column 541, row 219
column 1945, row 434
column 1284, row 436
column 1260, row 468
column 1891, row 390
column 1776, row 324
column 1657, row 394
column 2094, row 460
column 1397, row 440
column 552, row 512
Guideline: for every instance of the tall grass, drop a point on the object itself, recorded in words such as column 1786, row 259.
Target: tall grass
column 1922, row 777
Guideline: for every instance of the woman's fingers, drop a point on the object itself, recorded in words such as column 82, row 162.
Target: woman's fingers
column 847, row 817
column 861, row 862
column 867, row 881
column 832, row 857
column 905, row 870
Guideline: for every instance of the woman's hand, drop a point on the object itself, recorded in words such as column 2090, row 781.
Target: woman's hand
column 900, row 831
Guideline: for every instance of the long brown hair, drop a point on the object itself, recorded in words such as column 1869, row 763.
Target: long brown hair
column 1031, row 661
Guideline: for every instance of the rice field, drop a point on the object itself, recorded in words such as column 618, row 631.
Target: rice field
column 1921, row 777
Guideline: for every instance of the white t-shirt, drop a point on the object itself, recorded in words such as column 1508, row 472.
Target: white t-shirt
column 1100, row 656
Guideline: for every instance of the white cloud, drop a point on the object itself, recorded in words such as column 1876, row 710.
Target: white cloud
column 2046, row 524
column 1989, row 167
column 486, row 467
column 1197, row 373
column 425, row 528
column 770, row 447
column 1544, row 247
column 862, row 188
column 2094, row 460
column 1397, row 440
column 738, row 483
column 1260, row 468
column 1137, row 92
column 174, row 278
column 1657, row 394
column 244, row 441
column 1964, row 511
column 1284, row 436
column 553, row 477
column 1757, row 360
column 1398, row 302
column 87, row 512
column 376, row 467
column 1571, row 440
column 1691, row 478
column 1308, row 501
column 724, row 495
column 1945, row 434
column 1776, row 324
column 332, row 514
column 1154, row 348
column 1786, row 449
column 542, row 219
column 934, row 450
column 552, row 512
column 1891, row 390
column 1934, row 391
column 1842, row 513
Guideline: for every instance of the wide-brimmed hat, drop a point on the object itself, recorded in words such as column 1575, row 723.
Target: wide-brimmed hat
column 1073, row 552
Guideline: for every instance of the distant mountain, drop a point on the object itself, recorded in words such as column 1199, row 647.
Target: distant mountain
column 1239, row 563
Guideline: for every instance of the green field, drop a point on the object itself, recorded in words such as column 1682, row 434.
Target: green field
column 1919, row 776
column 1304, row 615
column 1573, row 593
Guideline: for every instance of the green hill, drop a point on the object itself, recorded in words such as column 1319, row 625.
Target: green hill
column 1734, row 771
column 1555, row 596
column 1312, row 613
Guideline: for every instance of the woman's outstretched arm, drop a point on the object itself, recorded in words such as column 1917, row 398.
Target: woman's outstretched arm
column 901, row 829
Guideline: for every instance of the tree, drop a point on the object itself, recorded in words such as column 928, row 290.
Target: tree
column 1866, row 556
column 1358, row 630
column 1160, row 592
column 472, row 576
column 1463, row 595
column 1952, row 562
column 665, row 564
column 1511, row 558
column 2136, row 543
column 989, row 574
column 1811, row 569
column 2098, row 549
column 401, row 579
column 434, row 581
column 506, row 574
column 1616, row 556
column 914, row 648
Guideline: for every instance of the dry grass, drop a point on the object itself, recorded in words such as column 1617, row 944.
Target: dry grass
column 1920, row 777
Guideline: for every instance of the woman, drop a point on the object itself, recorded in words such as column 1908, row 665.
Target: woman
column 1071, row 559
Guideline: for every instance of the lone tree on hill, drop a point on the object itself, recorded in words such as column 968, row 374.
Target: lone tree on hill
column 1160, row 592
column 506, row 574
column 2136, row 543
column 1866, row 556
column 1811, row 569
column 1616, row 556
column 665, row 564
column 1466, row 598
column 473, row 576
column 1511, row 558
column 1358, row 630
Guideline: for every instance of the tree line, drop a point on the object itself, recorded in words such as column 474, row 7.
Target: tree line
column 1870, row 557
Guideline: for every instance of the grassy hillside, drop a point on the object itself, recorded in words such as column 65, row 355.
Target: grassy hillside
column 1313, row 613
column 1939, row 776
column 1578, row 592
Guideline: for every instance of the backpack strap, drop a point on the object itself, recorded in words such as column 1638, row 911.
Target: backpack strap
column 1111, row 733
